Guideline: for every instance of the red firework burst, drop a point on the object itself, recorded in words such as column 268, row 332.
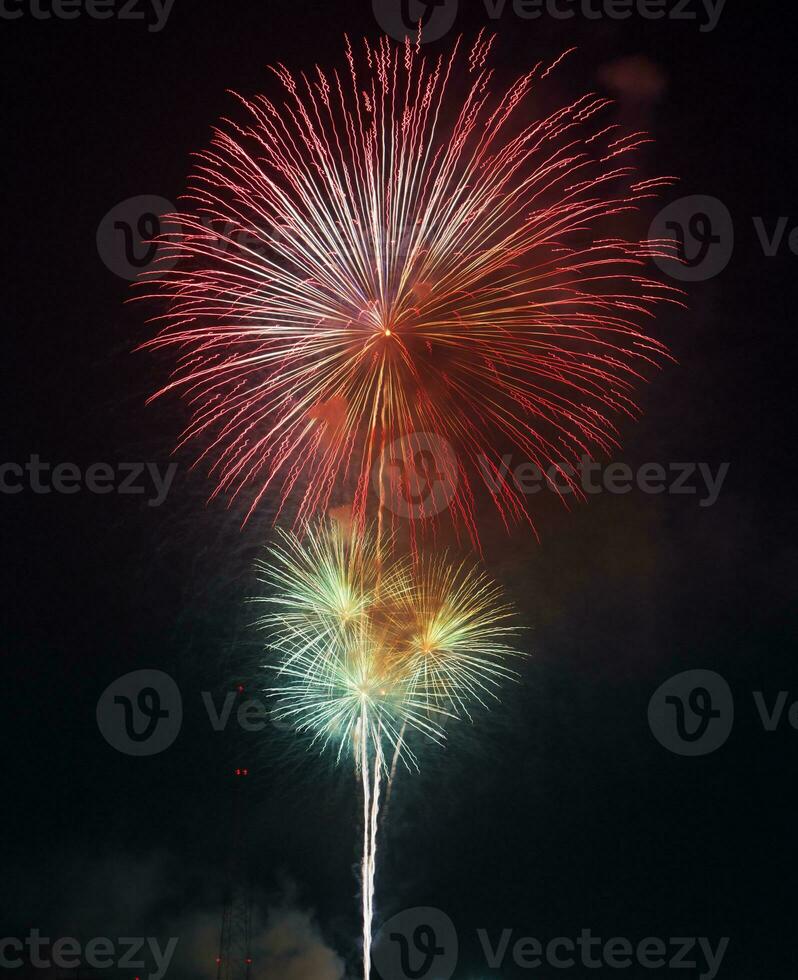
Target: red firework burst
column 386, row 252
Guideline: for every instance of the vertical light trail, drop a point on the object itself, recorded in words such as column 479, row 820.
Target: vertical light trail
column 366, row 876
column 371, row 782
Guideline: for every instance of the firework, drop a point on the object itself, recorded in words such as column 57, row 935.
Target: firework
column 414, row 642
column 393, row 261
column 391, row 250
column 366, row 657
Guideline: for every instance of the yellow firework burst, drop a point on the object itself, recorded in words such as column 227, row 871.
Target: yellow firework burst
column 364, row 649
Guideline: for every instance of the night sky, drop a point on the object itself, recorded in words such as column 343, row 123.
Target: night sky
column 559, row 812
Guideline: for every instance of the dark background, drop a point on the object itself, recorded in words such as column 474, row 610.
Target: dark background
column 562, row 814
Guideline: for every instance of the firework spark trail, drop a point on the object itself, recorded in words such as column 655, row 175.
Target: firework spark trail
column 376, row 256
column 367, row 654
column 371, row 809
column 375, row 809
column 365, row 873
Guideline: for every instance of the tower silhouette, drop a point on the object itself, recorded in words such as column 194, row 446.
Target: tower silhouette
column 234, row 961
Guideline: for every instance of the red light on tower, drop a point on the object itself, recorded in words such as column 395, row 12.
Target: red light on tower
column 235, row 936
